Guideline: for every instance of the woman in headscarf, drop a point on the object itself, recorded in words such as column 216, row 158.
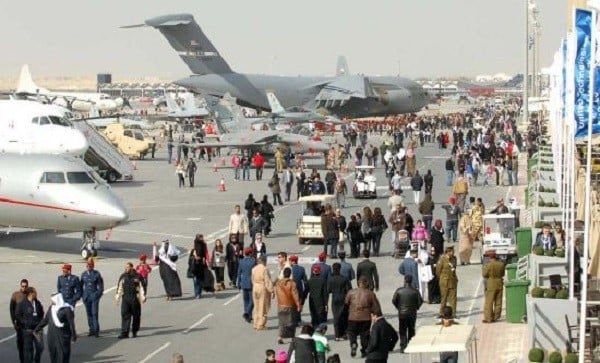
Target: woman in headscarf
column 61, row 329
column 433, row 288
column 218, row 264
column 437, row 236
column 197, row 264
column 166, row 256
column 366, row 221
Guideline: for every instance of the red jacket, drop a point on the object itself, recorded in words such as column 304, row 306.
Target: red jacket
column 258, row 160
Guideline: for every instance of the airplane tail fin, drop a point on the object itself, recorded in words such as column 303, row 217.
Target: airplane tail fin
column 342, row 66
column 189, row 102
column 172, row 105
column 192, row 45
column 26, row 84
column 274, row 103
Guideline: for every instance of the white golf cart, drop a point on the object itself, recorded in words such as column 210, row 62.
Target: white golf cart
column 499, row 236
column 309, row 224
column 365, row 183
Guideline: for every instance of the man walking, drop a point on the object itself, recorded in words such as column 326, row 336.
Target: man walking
column 288, row 179
column 407, row 301
column 28, row 314
column 131, row 294
column 494, row 273
column 368, row 269
column 382, row 339
column 15, row 299
column 244, row 282
column 92, row 287
column 238, row 224
column 452, row 216
column 416, row 183
column 191, row 171
column 317, row 297
column 361, row 302
column 69, row 286
column 461, row 190
column 446, row 272
column 262, row 291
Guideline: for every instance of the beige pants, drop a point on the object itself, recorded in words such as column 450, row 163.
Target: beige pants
column 262, row 303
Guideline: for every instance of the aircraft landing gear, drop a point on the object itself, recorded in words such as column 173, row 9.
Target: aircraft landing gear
column 90, row 245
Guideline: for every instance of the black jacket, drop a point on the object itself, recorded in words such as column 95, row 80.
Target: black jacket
column 303, row 349
column 382, row 340
column 416, row 182
column 368, row 269
column 407, row 301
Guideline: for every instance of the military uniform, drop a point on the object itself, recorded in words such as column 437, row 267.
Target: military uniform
column 70, row 288
column 92, row 287
column 446, row 272
column 492, row 307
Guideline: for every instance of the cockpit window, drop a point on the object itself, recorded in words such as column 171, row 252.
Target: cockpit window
column 60, row 121
column 139, row 136
column 127, row 133
column 45, row 120
column 35, row 120
column 53, row 177
column 79, row 177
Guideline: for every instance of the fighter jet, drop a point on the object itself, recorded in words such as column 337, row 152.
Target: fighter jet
column 296, row 114
column 189, row 109
column 31, row 127
column 78, row 101
column 57, row 192
column 235, row 131
column 345, row 95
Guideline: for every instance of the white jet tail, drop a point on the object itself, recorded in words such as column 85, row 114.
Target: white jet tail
column 189, row 102
column 274, row 103
column 172, row 105
column 26, row 84
column 341, row 68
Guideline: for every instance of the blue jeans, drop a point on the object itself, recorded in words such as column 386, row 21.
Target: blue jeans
column 376, row 242
column 246, row 172
column 236, row 173
column 449, row 177
column 91, row 310
column 334, row 247
column 452, row 230
column 197, row 286
column 248, row 303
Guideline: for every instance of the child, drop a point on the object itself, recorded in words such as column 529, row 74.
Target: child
column 321, row 342
column 270, row 356
column 143, row 269
column 281, row 356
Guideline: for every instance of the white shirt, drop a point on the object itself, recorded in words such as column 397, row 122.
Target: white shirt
column 238, row 223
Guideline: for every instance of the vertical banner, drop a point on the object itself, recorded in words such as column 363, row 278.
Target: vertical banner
column 584, row 64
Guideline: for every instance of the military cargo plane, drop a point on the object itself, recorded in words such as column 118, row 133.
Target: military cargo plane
column 344, row 95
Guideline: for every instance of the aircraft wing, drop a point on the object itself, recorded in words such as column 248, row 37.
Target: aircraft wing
column 342, row 88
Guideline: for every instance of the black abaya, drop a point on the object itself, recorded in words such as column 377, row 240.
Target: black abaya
column 59, row 338
column 170, row 280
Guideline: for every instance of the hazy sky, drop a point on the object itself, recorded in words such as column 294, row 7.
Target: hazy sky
column 417, row 37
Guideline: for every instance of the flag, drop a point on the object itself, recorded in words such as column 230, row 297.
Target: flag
column 585, row 51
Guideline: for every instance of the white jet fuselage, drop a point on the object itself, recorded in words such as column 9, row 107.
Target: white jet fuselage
column 31, row 127
column 55, row 192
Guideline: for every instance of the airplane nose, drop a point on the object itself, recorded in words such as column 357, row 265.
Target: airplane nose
column 116, row 212
column 76, row 143
column 118, row 101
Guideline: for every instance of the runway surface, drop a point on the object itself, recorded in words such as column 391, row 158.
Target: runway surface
column 210, row 329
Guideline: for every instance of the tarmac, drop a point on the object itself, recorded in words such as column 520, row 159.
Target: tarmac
column 212, row 329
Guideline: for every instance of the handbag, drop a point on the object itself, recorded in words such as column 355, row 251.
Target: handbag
column 426, row 274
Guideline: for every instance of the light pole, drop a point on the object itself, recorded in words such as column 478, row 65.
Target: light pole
column 526, row 70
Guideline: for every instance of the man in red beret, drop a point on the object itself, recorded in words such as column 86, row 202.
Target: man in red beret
column 69, row 286
column 92, row 287
column 318, row 296
column 453, row 212
column 325, row 268
column 299, row 277
column 494, row 273
column 244, row 282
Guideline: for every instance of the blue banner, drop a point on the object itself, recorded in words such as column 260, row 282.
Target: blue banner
column 596, row 105
column 583, row 65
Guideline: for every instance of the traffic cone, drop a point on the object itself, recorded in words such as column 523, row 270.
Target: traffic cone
column 215, row 168
column 222, row 161
column 222, row 185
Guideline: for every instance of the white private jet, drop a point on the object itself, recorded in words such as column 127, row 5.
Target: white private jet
column 32, row 127
column 78, row 101
column 57, row 192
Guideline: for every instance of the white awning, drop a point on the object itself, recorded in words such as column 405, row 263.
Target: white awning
column 437, row 338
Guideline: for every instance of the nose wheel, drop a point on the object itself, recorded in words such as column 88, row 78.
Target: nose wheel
column 90, row 245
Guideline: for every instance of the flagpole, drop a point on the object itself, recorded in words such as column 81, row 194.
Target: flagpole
column 587, row 199
column 526, row 71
